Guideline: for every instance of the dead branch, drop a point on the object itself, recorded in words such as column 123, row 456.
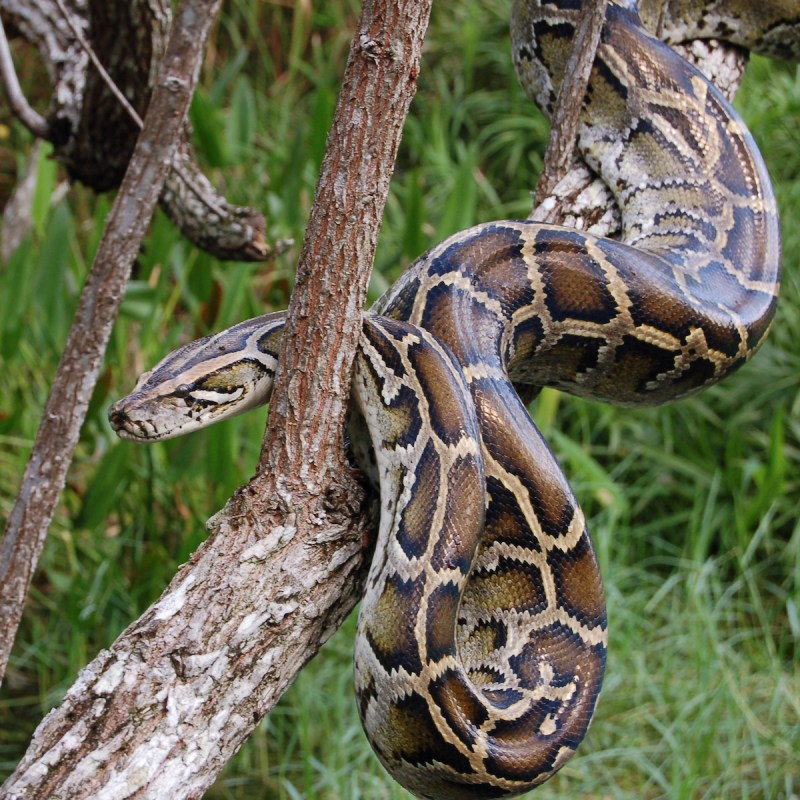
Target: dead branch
column 28, row 116
column 559, row 155
column 181, row 688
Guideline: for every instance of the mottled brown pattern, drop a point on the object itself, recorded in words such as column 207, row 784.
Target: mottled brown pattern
column 390, row 631
column 508, row 436
column 570, row 355
column 449, row 311
column 459, row 704
column 440, row 620
column 505, row 521
column 407, row 419
column 514, row 586
column 445, row 404
column 414, row 529
column 386, row 348
column 414, row 735
column 576, row 287
column 458, row 541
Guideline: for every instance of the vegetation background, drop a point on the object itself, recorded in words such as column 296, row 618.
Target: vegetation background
column 693, row 507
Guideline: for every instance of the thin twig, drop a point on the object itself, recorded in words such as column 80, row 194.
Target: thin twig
column 28, row 116
column 569, row 103
column 102, row 294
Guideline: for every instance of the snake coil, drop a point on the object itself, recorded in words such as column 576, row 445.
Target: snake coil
column 482, row 634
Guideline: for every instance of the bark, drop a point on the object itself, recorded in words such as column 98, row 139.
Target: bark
column 161, row 711
column 103, row 58
column 102, row 294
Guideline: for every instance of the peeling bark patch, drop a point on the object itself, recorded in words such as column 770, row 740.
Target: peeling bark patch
column 172, row 603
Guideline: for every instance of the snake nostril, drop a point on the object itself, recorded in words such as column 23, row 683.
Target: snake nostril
column 117, row 418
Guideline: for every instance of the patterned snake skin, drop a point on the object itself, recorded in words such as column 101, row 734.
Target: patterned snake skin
column 482, row 636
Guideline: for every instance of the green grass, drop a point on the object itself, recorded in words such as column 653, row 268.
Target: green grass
column 693, row 507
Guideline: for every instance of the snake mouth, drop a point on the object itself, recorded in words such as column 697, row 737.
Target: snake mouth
column 133, row 430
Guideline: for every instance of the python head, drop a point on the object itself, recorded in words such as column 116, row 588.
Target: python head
column 203, row 382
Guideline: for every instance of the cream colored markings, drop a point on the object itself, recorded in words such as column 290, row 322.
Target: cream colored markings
column 610, row 333
column 420, row 565
column 662, row 193
column 655, row 193
column 489, row 559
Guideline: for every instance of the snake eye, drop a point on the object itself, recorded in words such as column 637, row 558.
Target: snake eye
column 182, row 391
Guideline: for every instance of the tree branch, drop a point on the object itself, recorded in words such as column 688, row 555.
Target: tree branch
column 181, row 688
column 102, row 294
column 28, row 116
column 560, row 152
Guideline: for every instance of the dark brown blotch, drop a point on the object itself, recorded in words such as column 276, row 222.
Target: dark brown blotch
column 447, row 395
column 461, row 707
column 390, row 629
column 414, row 528
column 505, row 522
column 566, row 653
column 575, row 285
column 579, row 587
column 382, row 335
column 415, row 738
column 571, row 356
column 513, row 441
column 440, row 621
column 463, row 520
column 470, row 329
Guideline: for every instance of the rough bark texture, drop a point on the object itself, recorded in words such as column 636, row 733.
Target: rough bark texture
column 77, row 372
column 161, row 711
column 206, row 218
column 94, row 134
column 344, row 223
column 129, row 40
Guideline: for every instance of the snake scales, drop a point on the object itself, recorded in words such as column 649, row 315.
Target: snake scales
column 482, row 634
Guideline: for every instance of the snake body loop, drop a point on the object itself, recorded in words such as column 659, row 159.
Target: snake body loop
column 482, row 634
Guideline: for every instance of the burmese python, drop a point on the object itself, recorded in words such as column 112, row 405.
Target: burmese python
column 482, row 633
